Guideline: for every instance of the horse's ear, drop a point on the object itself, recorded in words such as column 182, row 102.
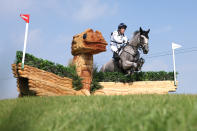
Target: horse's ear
column 141, row 30
column 148, row 31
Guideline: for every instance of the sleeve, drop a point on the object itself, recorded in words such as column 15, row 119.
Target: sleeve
column 125, row 39
column 116, row 38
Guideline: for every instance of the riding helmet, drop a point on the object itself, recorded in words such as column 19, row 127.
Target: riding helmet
column 122, row 25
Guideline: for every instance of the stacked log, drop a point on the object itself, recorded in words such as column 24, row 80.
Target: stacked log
column 139, row 87
column 33, row 81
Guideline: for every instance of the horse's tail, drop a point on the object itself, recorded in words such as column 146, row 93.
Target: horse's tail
column 102, row 68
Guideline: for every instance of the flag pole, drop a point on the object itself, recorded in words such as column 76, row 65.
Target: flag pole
column 174, row 46
column 174, row 67
column 25, row 43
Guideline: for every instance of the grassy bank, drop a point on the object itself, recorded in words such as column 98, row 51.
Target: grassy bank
column 136, row 112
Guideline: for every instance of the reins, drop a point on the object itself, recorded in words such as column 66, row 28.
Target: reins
column 127, row 51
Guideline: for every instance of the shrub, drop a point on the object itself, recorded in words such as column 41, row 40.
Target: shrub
column 96, row 77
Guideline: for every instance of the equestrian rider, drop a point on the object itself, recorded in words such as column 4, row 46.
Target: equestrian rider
column 118, row 39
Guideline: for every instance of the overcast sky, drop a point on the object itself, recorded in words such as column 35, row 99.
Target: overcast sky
column 54, row 22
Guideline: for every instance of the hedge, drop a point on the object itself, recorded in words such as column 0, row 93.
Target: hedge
column 120, row 77
column 60, row 70
column 137, row 76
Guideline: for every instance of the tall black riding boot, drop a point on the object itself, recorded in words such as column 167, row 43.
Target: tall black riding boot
column 116, row 56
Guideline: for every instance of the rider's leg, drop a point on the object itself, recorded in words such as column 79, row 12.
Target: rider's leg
column 116, row 56
column 114, row 48
column 115, row 52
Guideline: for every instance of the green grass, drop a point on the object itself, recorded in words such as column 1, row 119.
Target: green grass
column 112, row 113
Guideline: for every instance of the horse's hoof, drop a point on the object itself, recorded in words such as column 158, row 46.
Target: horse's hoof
column 142, row 60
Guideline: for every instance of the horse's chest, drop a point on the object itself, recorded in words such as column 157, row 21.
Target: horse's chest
column 135, row 58
column 132, row 55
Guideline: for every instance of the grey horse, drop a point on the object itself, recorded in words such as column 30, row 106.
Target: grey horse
column 130, row 60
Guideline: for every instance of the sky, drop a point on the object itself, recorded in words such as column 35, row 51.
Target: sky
column 53, row 23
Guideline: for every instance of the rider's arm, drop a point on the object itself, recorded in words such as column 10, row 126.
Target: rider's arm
column 116, row 38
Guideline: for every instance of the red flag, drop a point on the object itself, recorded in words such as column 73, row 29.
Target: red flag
column 25, row 17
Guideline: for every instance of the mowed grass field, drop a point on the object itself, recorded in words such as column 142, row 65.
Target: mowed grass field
column 113, row 113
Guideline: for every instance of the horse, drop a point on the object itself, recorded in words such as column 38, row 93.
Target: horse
column 130, row 60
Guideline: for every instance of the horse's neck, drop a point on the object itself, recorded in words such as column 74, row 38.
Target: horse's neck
column 133, row 45
column 134, row 42
column 131, row 49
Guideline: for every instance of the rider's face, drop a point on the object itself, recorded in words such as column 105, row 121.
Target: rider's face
column 122, row 30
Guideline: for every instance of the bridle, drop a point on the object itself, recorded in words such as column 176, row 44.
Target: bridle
column 142, row 45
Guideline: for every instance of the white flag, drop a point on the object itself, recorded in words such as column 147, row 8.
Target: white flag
column 175, row 46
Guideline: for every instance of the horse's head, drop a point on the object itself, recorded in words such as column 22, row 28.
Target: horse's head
column 143, row 40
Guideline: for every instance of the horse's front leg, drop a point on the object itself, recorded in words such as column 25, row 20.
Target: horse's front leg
column 140, row 62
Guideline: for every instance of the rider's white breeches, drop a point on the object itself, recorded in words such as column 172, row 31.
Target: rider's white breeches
column 114, row 48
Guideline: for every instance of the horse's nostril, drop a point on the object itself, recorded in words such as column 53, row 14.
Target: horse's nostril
column 145, row 51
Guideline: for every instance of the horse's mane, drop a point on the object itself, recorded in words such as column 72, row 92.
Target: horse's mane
column 136, row 32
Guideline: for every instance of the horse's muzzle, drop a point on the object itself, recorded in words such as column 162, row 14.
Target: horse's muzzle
column 145, row 51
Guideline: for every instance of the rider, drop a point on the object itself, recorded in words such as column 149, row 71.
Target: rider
column 118, row 39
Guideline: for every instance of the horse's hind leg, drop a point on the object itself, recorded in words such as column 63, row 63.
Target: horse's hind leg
column 102, row 69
